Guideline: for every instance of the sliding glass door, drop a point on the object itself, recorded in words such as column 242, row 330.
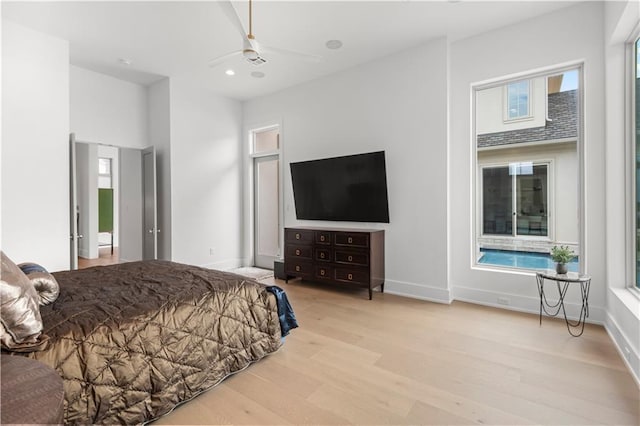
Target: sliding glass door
column 515, row 192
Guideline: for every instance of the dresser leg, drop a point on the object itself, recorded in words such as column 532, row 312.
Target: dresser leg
column 370, row 293
column 382, row 288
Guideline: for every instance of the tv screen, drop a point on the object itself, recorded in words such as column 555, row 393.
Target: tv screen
column 351, row 188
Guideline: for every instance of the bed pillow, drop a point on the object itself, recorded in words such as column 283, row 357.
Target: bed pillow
column 19, row 311
column 44, row 283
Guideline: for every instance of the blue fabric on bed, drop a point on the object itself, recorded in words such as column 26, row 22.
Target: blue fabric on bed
column 29, row 268
column 285, row 311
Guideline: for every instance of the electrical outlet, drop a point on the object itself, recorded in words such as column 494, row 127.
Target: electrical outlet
column 503, row 300
column 212, row 251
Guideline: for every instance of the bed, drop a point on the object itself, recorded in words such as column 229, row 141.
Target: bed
column 132, row 341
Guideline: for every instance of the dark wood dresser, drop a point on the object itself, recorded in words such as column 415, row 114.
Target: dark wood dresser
column 339, row 256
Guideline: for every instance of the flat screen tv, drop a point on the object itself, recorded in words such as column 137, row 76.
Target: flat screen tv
column 352, row 188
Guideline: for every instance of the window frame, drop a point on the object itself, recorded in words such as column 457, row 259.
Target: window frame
column 529, row 115
column 476, row 205
column 514, row 231
column 631, row 245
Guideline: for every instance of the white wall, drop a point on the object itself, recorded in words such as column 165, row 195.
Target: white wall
column 537, row 44
column 87, row 196
column 491, row 111
column 396, row 104
column 107, row 110
column 114, row 112
column 160, row 136
column 562, row 181
column 35, row 147
column 206, row 177
column 623, row 307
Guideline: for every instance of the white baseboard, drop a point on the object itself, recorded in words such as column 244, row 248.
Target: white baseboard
column 224, row 265
column 624, row 346
column 417, row 291
column 516, row 302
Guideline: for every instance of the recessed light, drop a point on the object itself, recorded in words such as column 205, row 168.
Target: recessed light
column 257, row 74
column 333, row 44
column 230, row 72
column 125, row 61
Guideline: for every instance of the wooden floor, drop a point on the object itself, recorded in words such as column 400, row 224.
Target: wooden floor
column 104, row 258
column 395, row 360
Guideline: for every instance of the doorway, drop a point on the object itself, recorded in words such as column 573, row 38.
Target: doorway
column 113, row 195
column 265, row 148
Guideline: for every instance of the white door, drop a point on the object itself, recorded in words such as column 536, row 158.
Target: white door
column 150, row 239
column 266, row 210
column 73, row 204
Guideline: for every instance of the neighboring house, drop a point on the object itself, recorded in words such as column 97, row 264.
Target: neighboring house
column 527, row 165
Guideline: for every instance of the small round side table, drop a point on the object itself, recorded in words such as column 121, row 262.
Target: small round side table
column 31, row 392
column 563, row 281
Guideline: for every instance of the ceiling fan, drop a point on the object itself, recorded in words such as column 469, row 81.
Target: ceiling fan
column 251, row 50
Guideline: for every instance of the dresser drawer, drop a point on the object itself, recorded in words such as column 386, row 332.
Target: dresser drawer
column 352, row 258
column 323, row 255
column 323, row 237
column 299, row 236
column 298, row 268
column 352, row 239
column 324, row 272
column 299, row 252
column 352, row 275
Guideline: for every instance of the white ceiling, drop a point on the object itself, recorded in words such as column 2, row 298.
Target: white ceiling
column 178, row 39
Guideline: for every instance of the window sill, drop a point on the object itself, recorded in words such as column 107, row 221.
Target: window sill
column 630, row 298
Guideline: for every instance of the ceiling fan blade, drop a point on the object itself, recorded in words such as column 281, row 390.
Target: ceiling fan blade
column 304, row 56
column 231, row 13
column 221, row 59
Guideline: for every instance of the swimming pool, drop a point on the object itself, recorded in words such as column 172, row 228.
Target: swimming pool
column 521, row 259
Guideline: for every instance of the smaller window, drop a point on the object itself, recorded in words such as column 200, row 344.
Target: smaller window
column 104, row 173
column 518, row 100
column 266, row 141
column 104, row 166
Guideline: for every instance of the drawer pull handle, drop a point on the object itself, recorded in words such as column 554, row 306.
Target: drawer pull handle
column 297, row 268
column 322, row 238
column 350, row 277
column 297, row 252
column 297, row 236
column 350, row 258
column 321, row 255
column 322, row 272
column 350, row 240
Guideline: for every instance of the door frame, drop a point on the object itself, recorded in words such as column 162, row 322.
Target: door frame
column 73, row 203
column 153, row 192
column 549, row 164
column 249, row 188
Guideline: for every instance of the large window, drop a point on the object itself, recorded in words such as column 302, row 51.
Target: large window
column 637, row 157
column 527, row 181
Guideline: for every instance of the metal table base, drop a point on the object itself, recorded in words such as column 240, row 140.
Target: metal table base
column 553, row 309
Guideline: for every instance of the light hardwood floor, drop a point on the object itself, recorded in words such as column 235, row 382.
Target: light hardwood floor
column 395, row 360
column 104, row 258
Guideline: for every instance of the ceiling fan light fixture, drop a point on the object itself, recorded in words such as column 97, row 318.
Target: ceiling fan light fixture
column 257, row 74
column 250, row 54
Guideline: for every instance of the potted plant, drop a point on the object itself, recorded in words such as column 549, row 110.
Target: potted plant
column 562, row 255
